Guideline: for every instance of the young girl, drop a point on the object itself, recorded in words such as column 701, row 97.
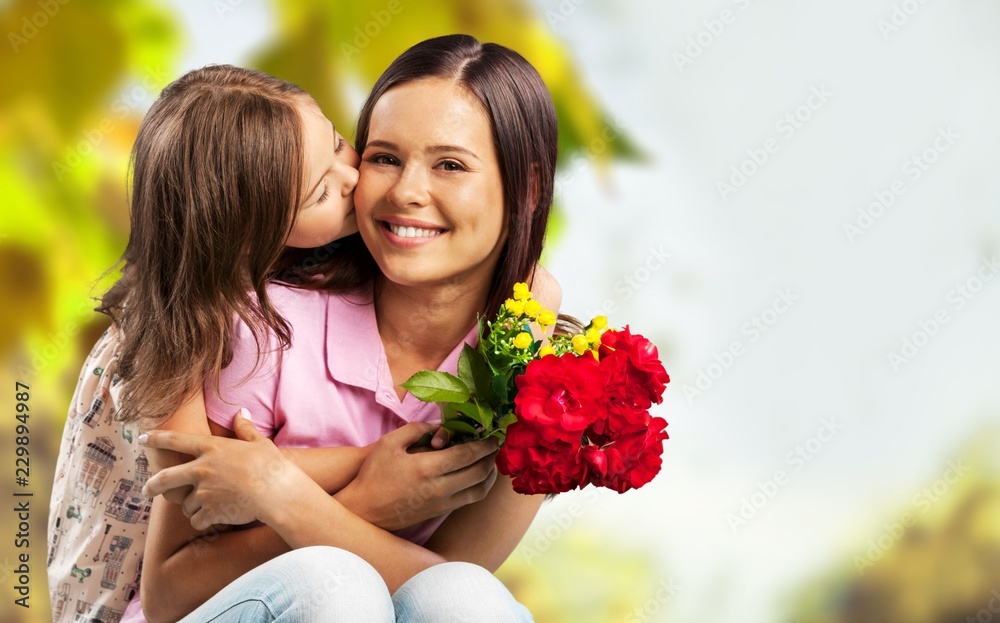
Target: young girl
column 459, row 148
column 230, row 165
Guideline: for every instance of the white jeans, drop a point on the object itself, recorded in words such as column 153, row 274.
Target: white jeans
column 330, row 585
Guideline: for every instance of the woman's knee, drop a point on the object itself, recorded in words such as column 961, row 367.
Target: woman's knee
column 432, row 595
column 330, row 584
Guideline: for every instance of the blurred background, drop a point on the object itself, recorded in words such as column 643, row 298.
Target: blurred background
column 799, row 202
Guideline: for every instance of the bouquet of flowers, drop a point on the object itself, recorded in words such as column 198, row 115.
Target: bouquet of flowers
column 569, row 413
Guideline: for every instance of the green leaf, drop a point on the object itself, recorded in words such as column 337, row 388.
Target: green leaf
column 482, row 414
column 481, row 374
column 465, row 371
column 434, row 386
column 499, row 383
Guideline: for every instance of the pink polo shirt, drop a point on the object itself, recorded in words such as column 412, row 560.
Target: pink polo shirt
column 332, row 387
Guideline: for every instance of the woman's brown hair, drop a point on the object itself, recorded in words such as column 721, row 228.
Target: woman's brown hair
column 523, row 121
column 216, row 178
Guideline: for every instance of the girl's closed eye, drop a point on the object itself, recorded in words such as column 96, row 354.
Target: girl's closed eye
column 340, row 144
column 326, row 193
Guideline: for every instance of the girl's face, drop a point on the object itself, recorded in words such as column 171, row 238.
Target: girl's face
column 430, row 201
column 330, row 173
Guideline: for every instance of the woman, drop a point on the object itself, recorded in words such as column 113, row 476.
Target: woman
column 458, row 145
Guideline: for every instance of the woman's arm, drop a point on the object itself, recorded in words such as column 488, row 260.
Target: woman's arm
column 504, row 515
column 183, row 567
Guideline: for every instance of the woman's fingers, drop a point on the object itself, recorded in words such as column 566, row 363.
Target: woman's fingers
column 244, row 428
column 463, row 455
column 186, row 443
column 170, row 478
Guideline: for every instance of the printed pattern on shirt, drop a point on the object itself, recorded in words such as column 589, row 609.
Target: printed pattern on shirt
column 97, row 515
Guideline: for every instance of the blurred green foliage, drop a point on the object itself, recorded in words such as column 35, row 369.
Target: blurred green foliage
column 79, row 76
column 937, row 560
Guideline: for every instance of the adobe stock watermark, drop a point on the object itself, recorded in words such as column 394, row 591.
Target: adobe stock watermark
column 558, row 526
column 367, row 32
column 563, row 12
column 899, row 17
column 666, row 590
column 956, row 299
column 787, row 126
column 33, row 24
column 713, row 29
column 635, row 280
column 120, row 108
column 796, row 459
column 913, row 170
column 754, row 328
column 225, row 7
column 920, row 504
column 580, row 160
column 989, row 611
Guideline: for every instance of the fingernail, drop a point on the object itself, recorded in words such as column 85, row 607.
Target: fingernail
column 245, row 414
column 143, row 438
column 144, row 493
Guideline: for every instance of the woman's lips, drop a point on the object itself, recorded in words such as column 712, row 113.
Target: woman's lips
column 409, row 233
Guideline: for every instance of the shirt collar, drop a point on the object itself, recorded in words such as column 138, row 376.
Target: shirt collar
column 354, row 351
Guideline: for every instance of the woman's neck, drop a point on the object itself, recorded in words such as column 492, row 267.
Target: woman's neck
column 420, row 327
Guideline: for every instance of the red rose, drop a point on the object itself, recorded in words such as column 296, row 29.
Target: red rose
column 557, row 399
column 643, row 360
column 630, row 459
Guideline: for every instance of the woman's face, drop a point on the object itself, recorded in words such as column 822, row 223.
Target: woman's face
column 430, row 200
column 330, row 174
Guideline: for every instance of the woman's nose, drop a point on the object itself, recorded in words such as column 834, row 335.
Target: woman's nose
column 410, row 188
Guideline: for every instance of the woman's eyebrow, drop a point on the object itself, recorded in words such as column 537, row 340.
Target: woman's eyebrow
column 433, row 149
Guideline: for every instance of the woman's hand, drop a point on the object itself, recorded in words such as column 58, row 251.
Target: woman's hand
column 232, row 481
column 399, row 486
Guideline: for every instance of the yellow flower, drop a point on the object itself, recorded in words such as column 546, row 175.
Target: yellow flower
column 599, row 322
column 596, row 353
column 546, row 318
column 521, row 292
column 593, row 336
column 514, row 307
column 532, row 307
column 580, row 344
column 523, row 340
column 545, row 350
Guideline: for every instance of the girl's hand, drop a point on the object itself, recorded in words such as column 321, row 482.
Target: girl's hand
column 397, row 488
column 232, row 481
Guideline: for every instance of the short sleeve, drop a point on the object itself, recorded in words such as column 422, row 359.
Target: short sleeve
column 246, row 382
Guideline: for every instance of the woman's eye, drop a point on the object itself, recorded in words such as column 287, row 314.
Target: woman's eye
column 340, row 144
column 451, row 165
column 383, row 159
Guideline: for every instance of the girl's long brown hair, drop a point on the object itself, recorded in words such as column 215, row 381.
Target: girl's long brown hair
column 216, row 179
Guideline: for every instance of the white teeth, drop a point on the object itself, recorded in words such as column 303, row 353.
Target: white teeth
column 413, row 232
